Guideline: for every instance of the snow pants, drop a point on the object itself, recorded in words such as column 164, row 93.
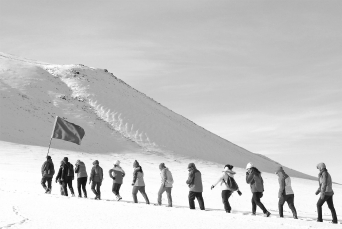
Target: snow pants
column 162, row 189
column 290, row 201
column 256, row 202
column 199, row 197
column 141, row 189
column 82, row 182
column 48, row 180
column 225, row 200
column 329, row 200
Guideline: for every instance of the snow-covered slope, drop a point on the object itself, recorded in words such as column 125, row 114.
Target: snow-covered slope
column 116, row 117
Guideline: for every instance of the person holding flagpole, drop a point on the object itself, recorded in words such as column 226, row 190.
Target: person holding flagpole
column 47, row 174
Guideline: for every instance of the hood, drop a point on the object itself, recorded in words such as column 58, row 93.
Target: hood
column 279, row 169
column 162, row 166
column 136, row 164
column 191, row 166
column 321, row 166
column 78, row 162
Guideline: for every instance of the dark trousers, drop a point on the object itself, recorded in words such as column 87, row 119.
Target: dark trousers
column 116, row 189
column 48, row 180
column 82, row 182
column 225, row 196
column 290, row 201
column 96, row 188
column 67, row 183
column 199, row 197
column 141, row 189
column 329, row 200
column 162, row 189
column 256, row 202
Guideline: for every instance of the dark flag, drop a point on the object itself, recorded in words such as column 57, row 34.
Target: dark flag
column 67, row 131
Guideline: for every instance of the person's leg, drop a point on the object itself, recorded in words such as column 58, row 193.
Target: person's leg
column 83, row 184
column 224, row 195
column 143, row 193
column 257, row 196
column 42, row 182
column 162, row 189
column 65, row 188
column 98, row 189
column 113, row 189
column 200, row 200
column 49, row 181
column 169, row 197
column 319, row 205
column 281, row 205
column 118, row 190
column 253, row 205
column 93, row 189
column 134, row 193
column 228, row 204
column 191, row 197
column 70, row 186
column 332, row 208
column 290, row 202
column 79, row 187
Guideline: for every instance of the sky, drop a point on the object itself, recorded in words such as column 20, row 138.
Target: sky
column 265, row 75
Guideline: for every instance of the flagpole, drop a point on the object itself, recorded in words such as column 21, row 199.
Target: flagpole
column 53, row 130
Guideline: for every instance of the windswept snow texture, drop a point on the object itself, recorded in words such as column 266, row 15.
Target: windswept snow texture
column 116, row 117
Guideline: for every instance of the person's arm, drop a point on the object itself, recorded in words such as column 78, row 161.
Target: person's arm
column 77, row 167
column 163, row 177
column 324, row 184
column 111, row 174
column 135, row 174
column 191, row 178
column 249, row 177
column 91, row 175
column 281, row 180
column 218, row 181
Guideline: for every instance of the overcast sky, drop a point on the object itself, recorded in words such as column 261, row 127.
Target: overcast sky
column 265, row 75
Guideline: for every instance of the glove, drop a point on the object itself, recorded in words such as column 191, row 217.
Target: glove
column 317, row 192
column 212, row 187
column 113, row 178
column 132, row 184
column 240, row 193
column 322, row 195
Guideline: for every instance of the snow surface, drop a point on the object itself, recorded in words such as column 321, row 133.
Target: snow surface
column 24, row 204
column 122, row 123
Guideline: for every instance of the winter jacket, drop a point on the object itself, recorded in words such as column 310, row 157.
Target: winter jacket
column 194, row 179
column 80, row 169
column 166, row 177
column 255, row 180
column 48, row 169
column 60, row 173
column 138, row 177
column 67, row 170
column 96, row 174
column 324, row 181
column 224, row 176
column 117, row 174
column 284, row 184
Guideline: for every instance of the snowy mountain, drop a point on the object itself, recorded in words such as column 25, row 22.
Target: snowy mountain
column 116, row 117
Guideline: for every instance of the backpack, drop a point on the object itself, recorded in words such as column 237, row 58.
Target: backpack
column 70, row 170
column 51, row 170
column 169, row 178
column 231, row 183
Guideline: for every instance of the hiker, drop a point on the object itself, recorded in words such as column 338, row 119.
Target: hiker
column 117, row 174
column 166, row 184
column 285, row 193
column 227, row 187
column 48, row 171
column 138, row 183
column 325, row 188
column 96, row 177
column 68, row 170
column 253, row 177
column 61, row 180
column 82, row 178
column 195, row 187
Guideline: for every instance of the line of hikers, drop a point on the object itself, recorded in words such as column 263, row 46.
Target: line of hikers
column 66, row 172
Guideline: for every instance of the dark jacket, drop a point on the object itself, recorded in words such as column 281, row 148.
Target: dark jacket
column 60, row 175
column 194, row 180
column 255, row 180
column 68, row 170
column 96, row 174
column 48, row 169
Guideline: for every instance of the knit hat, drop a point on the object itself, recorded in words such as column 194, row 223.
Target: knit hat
column 78, row 161
column 162, row 165
column 117, row 162
column 135, row 164
column 65, row 159
column 96, row 162
column 230, row 167
column 321, row 166
column 48, row 157
column 249, row 165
